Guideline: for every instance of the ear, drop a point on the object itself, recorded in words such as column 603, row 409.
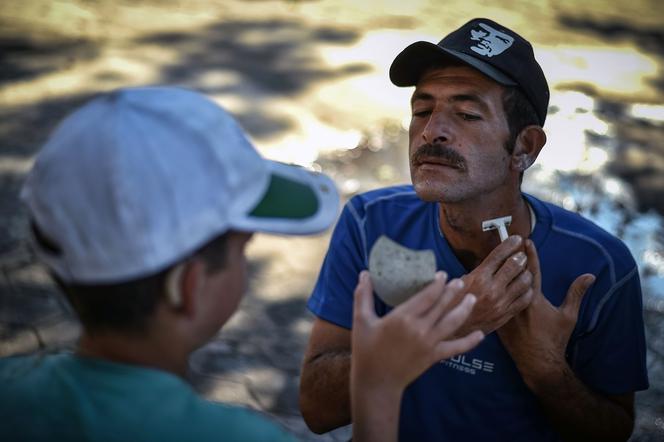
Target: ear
column 528, row 145
column 184, row 283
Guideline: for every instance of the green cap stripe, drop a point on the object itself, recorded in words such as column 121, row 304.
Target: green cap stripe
column 286, row 199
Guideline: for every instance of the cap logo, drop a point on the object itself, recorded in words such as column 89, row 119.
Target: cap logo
column 491, row 41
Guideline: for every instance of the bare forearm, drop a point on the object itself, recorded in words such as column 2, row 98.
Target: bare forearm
column 325, row 391
column 578, row 413
column 375, row 413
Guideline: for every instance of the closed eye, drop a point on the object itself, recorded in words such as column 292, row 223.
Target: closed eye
column 469, row 117
column 422, row 113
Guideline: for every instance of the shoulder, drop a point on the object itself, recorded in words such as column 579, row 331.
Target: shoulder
column 587, row 240
column 384, row 198
column 17, row 371
column 235, row 423
column 25, row 385
column 396, row 212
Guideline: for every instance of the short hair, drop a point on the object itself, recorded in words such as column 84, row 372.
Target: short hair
column 519, row 112
column 126, row 306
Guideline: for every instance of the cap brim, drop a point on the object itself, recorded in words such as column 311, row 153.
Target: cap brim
column 410, row 64
column 296, row 201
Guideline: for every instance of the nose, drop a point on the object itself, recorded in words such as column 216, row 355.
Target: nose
column 436, row 130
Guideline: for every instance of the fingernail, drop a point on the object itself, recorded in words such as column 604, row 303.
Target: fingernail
column 516, row 239
column 520, row 258
column 456, row 284
column 471, row 299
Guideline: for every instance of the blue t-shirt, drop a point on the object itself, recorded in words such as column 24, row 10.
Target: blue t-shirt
column 480, row 396
column 70, row 398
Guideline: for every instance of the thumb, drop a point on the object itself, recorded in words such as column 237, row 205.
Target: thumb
column 363, row 305
column 575, row 294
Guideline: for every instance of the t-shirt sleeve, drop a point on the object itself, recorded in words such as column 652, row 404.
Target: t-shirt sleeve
column 611, row 357
column 332, row 298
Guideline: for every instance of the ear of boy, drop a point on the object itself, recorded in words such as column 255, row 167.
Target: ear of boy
column 191, row 320
column 184, row 286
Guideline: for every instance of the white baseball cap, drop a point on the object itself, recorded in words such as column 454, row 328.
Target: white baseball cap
column 138, row 179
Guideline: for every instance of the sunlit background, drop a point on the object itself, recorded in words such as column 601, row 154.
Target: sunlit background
column 308, row 80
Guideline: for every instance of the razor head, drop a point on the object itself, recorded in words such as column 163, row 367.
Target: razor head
column 494, row 223
column 498, row 223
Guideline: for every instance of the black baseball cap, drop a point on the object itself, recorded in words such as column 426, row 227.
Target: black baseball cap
column 487, row 46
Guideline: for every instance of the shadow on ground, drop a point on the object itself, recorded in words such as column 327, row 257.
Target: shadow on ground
column 27, row 55
column 260, row 351
column 266, row 59
column 649, row 40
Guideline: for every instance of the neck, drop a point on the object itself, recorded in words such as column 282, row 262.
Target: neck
column 461, row 223
column 147, row 349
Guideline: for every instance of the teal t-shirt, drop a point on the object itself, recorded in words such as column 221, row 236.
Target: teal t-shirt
column 71, row 398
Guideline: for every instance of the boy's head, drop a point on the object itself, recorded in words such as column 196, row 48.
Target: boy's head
column 140, row 187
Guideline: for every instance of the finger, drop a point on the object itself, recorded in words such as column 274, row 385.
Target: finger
column 534, row 265
column 513, row 266
column 363, row 304
column 447, row 349
column 423, row 300
column 572, row 301
column 520, row 303
column 452, row 295
column 450, row 323
column 503, row 251
column 519, row 286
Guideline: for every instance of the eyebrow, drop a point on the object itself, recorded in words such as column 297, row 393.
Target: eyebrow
column 423, row 96
column 459, row 98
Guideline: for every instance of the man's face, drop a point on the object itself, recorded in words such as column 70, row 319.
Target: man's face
column 457, row 134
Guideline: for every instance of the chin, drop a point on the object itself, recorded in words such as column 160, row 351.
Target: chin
column 431, row 187
column 429, row 193
column 440, row 193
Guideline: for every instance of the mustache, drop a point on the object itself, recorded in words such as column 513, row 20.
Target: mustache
column 436, row 150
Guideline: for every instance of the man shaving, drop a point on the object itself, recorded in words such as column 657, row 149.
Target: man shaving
column 559, row 300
